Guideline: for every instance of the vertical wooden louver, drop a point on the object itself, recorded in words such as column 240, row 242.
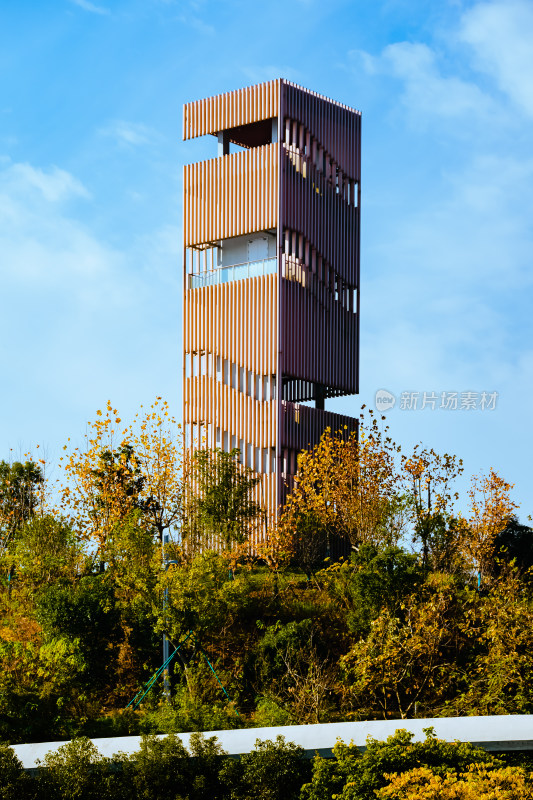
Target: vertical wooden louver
column 231, row 196
column 231, row 110
column 265, row 333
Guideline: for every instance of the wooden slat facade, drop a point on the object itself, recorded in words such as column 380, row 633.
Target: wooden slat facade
column 253, row 345
column 231, row 110
column 231, row 196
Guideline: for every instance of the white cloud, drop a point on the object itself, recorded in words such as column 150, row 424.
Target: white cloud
column 55, row 186
column 130, row 133
column 42, row 245
column 426, row 91
column 197, row 24
column 87, row 6
column 447, row 283
column 501, row 35
column 84, row 314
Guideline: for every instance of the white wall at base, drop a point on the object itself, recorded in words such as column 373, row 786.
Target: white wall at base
column 499, row 734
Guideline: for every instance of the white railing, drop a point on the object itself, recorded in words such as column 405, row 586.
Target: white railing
column 236, row 272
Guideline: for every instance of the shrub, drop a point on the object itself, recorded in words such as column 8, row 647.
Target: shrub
column 352, row 775
column 14, row 783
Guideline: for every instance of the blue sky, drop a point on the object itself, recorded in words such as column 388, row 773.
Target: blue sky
column 90, row 203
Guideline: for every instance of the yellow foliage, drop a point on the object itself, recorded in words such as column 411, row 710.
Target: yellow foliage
column 347, row 484
column 480, row 782
column 139, row 467
column 491, row 506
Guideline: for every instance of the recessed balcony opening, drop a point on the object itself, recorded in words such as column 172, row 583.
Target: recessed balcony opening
column 256, row 134
column 234, row 259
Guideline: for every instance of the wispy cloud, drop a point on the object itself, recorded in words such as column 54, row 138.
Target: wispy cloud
column 425, row 89
column 130, row 133
column 88, row 6
column 73, row 295
column 500, row 35
column 197, row 23
column 55, row 185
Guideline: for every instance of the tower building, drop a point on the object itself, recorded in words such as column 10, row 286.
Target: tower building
column 271, row 275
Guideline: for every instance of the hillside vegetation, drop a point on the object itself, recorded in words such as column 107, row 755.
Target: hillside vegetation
column 372, row 597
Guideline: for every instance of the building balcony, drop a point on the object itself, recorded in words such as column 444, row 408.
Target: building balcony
column 235, row 272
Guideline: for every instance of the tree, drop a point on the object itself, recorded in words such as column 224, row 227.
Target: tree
column 479, row 782
column 346, row 487
column 19, row 497
column 222, row 507
column 513, row 546
column 498, row 674
column 158, row 446
column 75, row 771
column 352, row 775
column 14, row 783
column 490, row 507
column 160, row 769
column 409, row 656
column 294, row 673
column 371, row 581
column 45, row 551
column 118, row 482
column 85, row 615
column 274, row 770
column 109, row 480
column 430, row 477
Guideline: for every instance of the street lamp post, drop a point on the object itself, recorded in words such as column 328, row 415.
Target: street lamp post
column 166, row 675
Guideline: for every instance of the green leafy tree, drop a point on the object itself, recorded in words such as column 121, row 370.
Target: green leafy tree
column 45, row 550
column 369, row 582
column 75, row 771
column 86, row 615
column 295, row 672
column 352, row 775
column 498, row 675
column 222, row 507
column 274, row 770
column 19, row 497
column 163, row 769
column 409, row 656
column 14, row 783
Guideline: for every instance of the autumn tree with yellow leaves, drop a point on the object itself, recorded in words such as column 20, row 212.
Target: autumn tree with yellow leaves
column 346, row 486
column 430, row 479
column 124, row 470
column 491, row 507
column 478, row 782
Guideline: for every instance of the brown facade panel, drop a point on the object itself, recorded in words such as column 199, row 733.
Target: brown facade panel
column 209, row 403
column 237, row 321
column 301, row 427
column 319, row 339
column 335, row 126
column 312, row 206
column 230, row 110
column 231, row 196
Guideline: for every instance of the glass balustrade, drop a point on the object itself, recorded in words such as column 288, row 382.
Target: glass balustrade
column 235, row 272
